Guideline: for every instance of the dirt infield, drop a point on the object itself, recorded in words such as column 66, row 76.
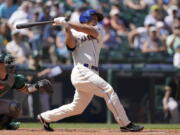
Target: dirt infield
column 37, row 131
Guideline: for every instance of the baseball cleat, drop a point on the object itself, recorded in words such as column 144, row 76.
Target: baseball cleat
column 13, row 126
column 45, row 124
column 131, row 128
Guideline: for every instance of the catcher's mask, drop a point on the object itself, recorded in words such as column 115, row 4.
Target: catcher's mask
column 8, row 60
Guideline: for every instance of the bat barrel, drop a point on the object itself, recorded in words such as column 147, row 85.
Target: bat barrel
column 28, row 25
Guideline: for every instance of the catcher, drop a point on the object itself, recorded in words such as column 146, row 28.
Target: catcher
column 10, row 110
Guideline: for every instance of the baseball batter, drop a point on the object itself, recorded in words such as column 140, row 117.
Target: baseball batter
column 10, row 110
column 84, row 40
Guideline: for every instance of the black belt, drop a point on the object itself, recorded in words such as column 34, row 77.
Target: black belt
column 92, row 67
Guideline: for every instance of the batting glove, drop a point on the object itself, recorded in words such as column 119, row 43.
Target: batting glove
column 61, row 20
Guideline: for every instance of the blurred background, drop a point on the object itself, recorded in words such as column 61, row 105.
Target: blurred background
column 140, row 56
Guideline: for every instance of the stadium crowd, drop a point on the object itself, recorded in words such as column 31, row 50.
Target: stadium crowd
column 133, row 28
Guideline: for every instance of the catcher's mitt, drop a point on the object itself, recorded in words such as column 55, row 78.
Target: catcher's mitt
column 44, row 85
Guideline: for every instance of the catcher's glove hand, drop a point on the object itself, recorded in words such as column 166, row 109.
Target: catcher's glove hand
column 44, row 85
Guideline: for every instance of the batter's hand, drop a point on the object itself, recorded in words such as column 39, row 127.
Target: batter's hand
column 44, row 86
column 60, row 21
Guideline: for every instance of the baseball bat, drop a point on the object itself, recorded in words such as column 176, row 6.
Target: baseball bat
column 31, row 24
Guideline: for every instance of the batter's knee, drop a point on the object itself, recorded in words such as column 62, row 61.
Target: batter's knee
column 15, row 109
column 78, row 109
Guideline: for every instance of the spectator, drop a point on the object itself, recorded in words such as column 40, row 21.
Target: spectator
column 163, row 31
column 75, row 15
column 3, row 37
column 20, row 16
column 105, row 7
column 172, row 11
column 18, row 48
column 48, row 37
column 174, row 2
column 173, row 40
column 117, row 23
column 61, row 50
column 138, row 36
column 7, row 9
column 150, row 3
column 35, row 35
column 109, row 38
column 176, row 58
column 135, row 12
column 45, row 15
column 55, row 10
column 153, row 44
column 154, row 16
column 171, row 99
column 95, row 4
column 68, row 6
column 39, row 6
column 135, row 4
column 33, row 8
column 48, row 44
column 162, row 9
column 177, row 19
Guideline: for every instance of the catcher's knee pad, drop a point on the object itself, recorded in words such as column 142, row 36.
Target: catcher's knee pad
column 15, row 109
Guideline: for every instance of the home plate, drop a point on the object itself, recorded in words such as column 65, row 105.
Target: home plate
column 154, row 132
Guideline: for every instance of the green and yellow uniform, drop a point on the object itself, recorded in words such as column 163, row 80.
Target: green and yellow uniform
column 16, row 81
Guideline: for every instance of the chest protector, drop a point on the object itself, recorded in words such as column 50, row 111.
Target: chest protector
column 6, row 84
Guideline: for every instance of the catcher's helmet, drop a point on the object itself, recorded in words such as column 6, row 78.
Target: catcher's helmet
column 86, row 16
column 8, row 60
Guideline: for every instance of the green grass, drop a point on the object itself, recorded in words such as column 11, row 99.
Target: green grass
column 95, row 125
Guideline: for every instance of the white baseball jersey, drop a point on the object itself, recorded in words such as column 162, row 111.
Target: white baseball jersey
column 87, row 48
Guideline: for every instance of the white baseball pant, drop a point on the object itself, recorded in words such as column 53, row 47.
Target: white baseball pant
column 88, row 83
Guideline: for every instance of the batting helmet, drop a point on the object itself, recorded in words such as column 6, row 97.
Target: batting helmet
column 86, row 16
